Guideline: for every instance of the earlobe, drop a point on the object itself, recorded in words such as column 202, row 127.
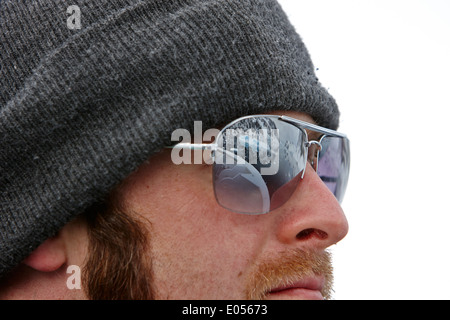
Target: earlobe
column 49, row 256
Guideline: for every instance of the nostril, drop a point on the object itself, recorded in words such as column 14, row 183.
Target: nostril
column 304, row 234
column 311, row 232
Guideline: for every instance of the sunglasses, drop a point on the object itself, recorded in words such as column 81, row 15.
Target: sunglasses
column 257, row 161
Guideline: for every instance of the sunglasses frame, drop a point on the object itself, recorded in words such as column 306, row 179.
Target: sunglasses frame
column 301, row 125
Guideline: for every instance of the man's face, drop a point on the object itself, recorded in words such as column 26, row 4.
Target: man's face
column 199, row 250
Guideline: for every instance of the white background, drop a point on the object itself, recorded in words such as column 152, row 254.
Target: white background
column 387, row 65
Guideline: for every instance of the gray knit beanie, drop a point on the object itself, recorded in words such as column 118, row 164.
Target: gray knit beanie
column 82, row 106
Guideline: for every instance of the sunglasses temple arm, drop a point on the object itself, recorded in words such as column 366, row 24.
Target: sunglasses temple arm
column 194, row 146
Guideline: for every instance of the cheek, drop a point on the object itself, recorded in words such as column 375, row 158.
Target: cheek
column 199, row 250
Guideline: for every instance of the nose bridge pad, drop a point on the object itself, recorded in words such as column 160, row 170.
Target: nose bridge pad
column 314, row 148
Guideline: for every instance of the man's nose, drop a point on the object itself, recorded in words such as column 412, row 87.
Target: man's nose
column 312, row 218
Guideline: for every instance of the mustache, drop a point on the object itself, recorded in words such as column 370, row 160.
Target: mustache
column 288, row 268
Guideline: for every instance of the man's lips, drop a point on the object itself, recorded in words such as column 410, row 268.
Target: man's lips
column 309, row 288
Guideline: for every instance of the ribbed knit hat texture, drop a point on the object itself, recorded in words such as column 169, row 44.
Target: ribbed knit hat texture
column 80, row 109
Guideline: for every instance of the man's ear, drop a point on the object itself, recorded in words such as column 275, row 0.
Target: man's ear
column 49, row 256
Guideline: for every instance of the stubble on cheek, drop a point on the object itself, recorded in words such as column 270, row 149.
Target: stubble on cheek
column 118, row 263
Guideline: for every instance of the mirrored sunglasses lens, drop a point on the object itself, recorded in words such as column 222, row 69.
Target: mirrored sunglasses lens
column 334, row 165
column 259, row 165
column 240, row 187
